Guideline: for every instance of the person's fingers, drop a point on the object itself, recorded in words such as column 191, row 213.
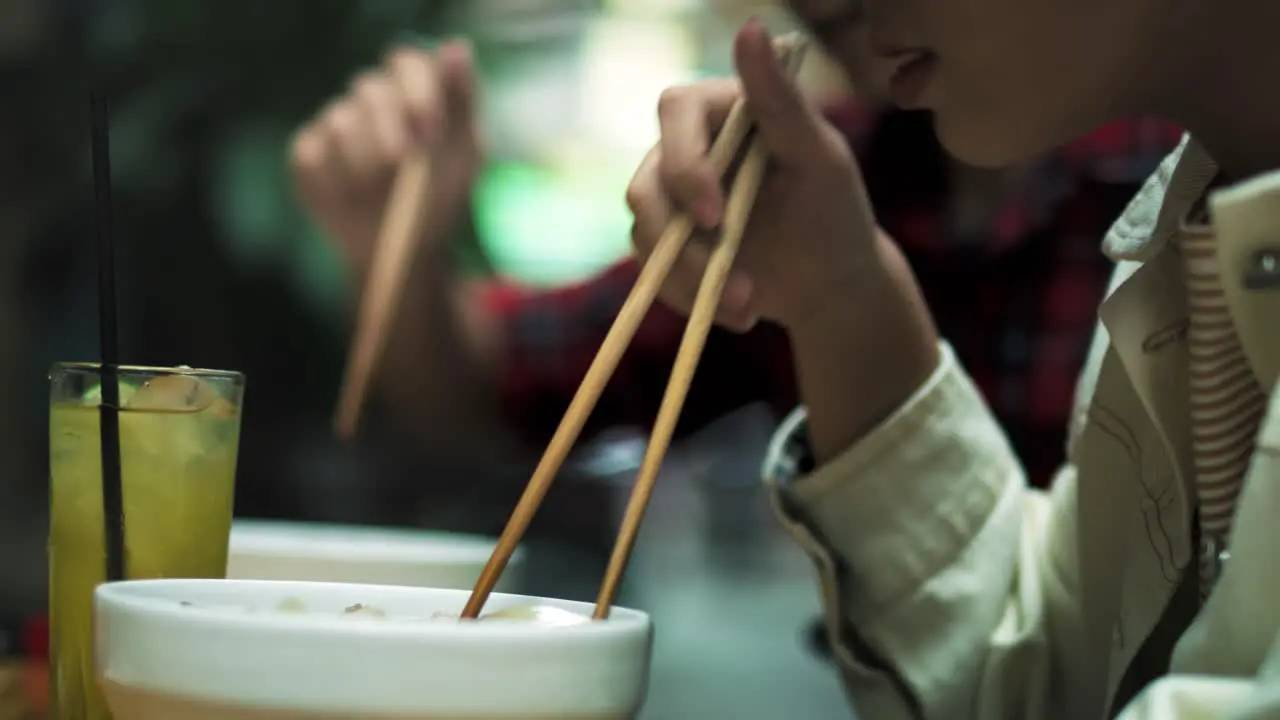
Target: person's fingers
column 309, row 162
column 417, row 78
column 382, row 112
column 334, row 174
column 458, row 80
column 648, row 203
column 734, row 310
column 322, row 178
column 680, row 290
column 354, row 157
column 689, row 117
column 786, row 123
column 653, row 214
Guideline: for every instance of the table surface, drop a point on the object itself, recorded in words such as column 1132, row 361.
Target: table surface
column 23, row 690
column 730, row 640
column 730, row 594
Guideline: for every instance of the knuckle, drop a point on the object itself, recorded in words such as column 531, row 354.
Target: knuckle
column 306, row 151
column 640, row 190
column 635, row 197
column 673, row 99
column 367, row 84
column 682, row 180
column 403, row 57
column 338, row 119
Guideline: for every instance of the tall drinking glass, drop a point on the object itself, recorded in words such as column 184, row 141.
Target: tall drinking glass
column 179, row 436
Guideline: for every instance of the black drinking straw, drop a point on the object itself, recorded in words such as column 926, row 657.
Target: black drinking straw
column 109, row 408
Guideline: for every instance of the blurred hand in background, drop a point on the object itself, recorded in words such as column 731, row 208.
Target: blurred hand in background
column 345, row 160
column 344, row 163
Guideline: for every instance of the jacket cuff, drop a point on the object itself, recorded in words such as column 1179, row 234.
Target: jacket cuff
column 902, row 504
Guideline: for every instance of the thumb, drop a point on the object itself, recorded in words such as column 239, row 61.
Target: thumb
column 785, row 122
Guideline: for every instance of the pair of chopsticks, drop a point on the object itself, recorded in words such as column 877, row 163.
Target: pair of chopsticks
column 729, row 143
column 402, row 225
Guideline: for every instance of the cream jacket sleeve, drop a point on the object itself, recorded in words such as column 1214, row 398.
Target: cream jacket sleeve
column 940, row 584
column 950, row 586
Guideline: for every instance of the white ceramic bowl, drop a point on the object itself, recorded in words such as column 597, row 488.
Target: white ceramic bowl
column 241, row 649
column 271, row 550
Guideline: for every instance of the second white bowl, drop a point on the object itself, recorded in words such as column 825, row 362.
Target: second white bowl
column 277, row 550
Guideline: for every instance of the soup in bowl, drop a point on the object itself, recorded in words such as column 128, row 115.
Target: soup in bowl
column 279, row 550
column 282, row 650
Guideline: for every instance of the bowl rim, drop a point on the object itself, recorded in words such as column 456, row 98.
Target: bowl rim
column 95, row 368
column 156, row 598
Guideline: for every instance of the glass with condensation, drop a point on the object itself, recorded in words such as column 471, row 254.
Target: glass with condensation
column 179, row 439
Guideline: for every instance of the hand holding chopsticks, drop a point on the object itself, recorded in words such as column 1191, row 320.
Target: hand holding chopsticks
column 729, row 144
column 737, row 211
column 384, row 169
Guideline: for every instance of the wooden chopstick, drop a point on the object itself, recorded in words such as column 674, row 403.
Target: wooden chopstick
column 728, row 144
column 742, row 196
column 402, row 223
column 703, row 315
column 652, row 274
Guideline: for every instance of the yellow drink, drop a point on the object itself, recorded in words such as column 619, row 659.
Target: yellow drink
column 179, row 436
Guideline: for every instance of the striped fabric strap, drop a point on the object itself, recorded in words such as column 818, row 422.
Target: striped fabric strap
column 1226, row 402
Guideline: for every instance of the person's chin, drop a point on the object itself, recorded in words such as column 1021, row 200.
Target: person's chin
column 980, row 142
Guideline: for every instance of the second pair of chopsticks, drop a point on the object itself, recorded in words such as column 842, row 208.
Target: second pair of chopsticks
column 734, row 135
column 402, row 224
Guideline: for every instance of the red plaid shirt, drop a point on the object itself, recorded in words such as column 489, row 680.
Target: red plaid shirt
column 1017, row 301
